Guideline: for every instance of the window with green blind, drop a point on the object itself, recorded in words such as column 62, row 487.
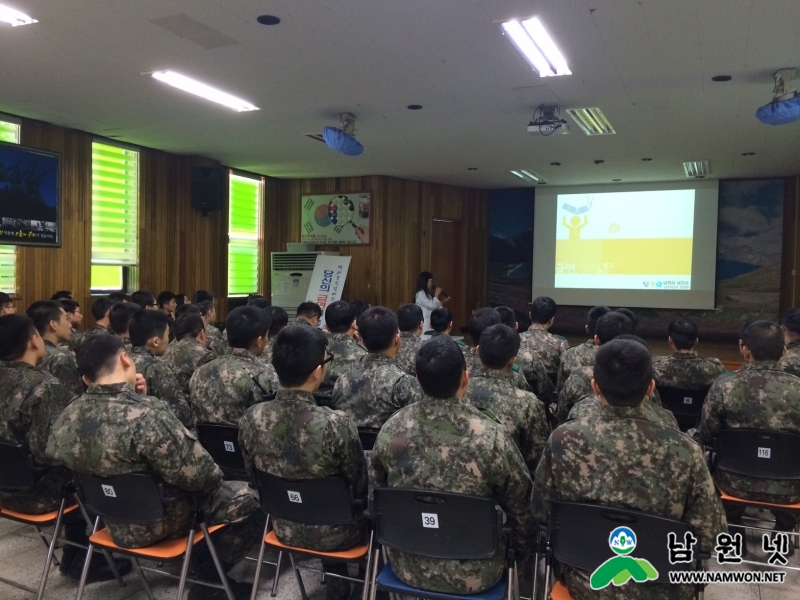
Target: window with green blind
column 115, row 207
column 9, row 132
column 244, row 235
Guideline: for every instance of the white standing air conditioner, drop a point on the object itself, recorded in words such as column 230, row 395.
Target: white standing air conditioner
column 291, row 276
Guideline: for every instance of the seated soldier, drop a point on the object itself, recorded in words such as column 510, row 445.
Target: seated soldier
column 492, row 391
column 119, row 319
column 340, row 320
column 144, row 299
column 214, row 338
column 444, row 443
column 308, row 313
column 189, row 349
column 375, row 388
column 222, row 389
column 622, row 459
column 441, row 323
column 631, row 315
column 760, row 395
column 507, row 317
column 582, row 355
column 133, row 433
column 410, row 321
column 280, row 320
column 7, row 306
column 293, row 438
column 100, row 309
column 149, row 331
column 50, row 320
column 791, row 335
column 684, row 369
column 167, row 303
column 537, row 340
column 359, row 307
column 75, row 318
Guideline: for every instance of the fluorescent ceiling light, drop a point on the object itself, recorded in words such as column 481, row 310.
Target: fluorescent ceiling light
column 187, row 84
column 536, row 46
column 591, row 120
column 527, row 175
column 696, row 168
column 14, row 17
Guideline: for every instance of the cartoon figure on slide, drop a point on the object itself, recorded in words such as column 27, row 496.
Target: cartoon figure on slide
column 575, row 225
column 622, row 568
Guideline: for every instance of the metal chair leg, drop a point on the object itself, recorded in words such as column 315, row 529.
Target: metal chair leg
column 186, row 560
column 225, row 583
column 375, row 560
column 535, row 575
column 274, row 591
column 368, row 569
column 87, row 561
column 50, row 549
column 260, row 562
column 45, row 541
column 298, row 577
column 145, row 583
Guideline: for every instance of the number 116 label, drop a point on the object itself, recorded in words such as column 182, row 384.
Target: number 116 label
column 430, row 520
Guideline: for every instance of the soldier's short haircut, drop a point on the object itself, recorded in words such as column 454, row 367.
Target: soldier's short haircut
column 440, row 364
column 635, row 338
column 610, row 325
column 498, row 345
column 97, row 355
column 623, row 371
column 42, row 312
column 297, row 351
column 118, row 296
column 543, row 309
column 180, row 298
column 69, row 305
column 441, row 319
column 62, row 294
column 339, row 316
column 187, row 309
column 791, row 321
column 15, row 333
column 507, row 316
column 188, row 325
column 764, row 339
column 309, row 310
column 594, row 314
column 245, row 324
column 259, row 302
column 378, row 328
column 480, row 320
column 143, row 298
column 359, row 307
column 205, row 307
column 631, row 315
column 165, row 298
column 119, row 317
column 145, row 325
column 409, row 316
column 203, row 296
column 101, row 306
column 683, row 333
column 280, row 319
column 5, row 299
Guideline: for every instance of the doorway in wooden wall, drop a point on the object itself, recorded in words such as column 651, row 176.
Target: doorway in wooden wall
column 446, row 253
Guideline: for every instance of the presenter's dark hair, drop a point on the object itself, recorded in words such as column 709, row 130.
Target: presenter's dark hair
column 764, row 339
column 188, row 324
column 96, row 356
column 594, row 314
column 309, row 310
column 15, row 333
column 297, row 351
column 610, row 325
column 246, row 324
column 145, row 325
column 409, row 316
column 441, row 319
column 119, row 317
column 377, row 328
column 623, row 371
column 480, row 320
column 543, row 309
column 507, row 316
column 498, row 345
column 440, row 366
column 422, row 284
column 101, row 306
column 791, row 321
column 339, row 316
column 42, row 312
column 683, row 333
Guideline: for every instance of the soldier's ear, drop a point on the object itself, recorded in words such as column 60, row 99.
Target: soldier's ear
column 512, row 362
column 595, row 388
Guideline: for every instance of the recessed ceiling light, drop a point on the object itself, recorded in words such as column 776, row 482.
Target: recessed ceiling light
column 268, row 20
column 472, row 168
column 187, row 84
column 616, row 180
column 14, row 17
column 414, row 106
column 696, row 168
column 528, row 175
column 721, row 78
column 748, row 153
column 599, row 162
column 646, row 159
column 555, row 164
column 591, row 120
column 537, row 47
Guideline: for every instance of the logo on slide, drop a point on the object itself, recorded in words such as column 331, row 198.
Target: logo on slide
column 659, row 284
column 613, row 228
column 645, row 283
column 620, row 569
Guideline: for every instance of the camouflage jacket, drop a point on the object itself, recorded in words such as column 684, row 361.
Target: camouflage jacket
column 589, row 406
column 183, row 358
column 93, row 330
column 622, row 459
column 223, row 389
column 30, row 401
column 73, row 343
column 266, row 356
column 574, row 358
column 760, row 395
column 61, row 364
column 535, row 374
column 374, row 390
column 522, row 413
column 544, row 344
column 407, row 354
column 449, row 445
column 686, row 370
column 475, row 367
column 215, row 340
column 791, row 360
column 293, row 438
column 127, row 341
column 162, row 384
column 129, row 434
column 347, row 353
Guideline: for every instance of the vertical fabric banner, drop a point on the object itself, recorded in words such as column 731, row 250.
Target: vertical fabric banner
column 327, row 281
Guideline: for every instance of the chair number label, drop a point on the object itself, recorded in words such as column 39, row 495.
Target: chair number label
column 687, row 399
column 367, row 454
column 430, row 520
column 764, row 452
column 108, row 490
column 229, row 447
column 294, row 497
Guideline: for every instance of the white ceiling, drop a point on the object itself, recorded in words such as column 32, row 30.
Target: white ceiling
column 647, row 64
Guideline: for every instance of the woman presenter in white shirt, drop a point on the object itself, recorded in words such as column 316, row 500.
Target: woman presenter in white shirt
column 428, row 297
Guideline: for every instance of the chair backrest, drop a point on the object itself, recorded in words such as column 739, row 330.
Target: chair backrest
column 18, row 471
column 320, row 501
column 759, row 454
column 367, row 436
column 436, row 524
column 688, row 403
column 580, row 536
column 129, row 498
column 222, row 443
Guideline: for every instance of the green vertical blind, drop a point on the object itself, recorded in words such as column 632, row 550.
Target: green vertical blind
column 244, row 235
column 9, row 132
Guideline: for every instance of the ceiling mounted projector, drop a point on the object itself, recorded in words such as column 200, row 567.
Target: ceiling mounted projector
column 546, row 121
column 342, row 139
column 785, row 105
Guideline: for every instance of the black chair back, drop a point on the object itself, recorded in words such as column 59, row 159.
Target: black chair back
column 367, row 436
column 760, row 454
column 130, row 498
column 18, row 471
column 320, row 501
column 683, row 403
column 580, row 536
column 222, row 443
column 437, row 524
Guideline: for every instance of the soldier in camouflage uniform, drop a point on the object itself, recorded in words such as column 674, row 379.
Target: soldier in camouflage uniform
column 760, row 395
column 410, row 321
column 75, row 318
column 53, row 326
column 223, row 389
column 622, row 459
column 7, row 306
column 582, row 355
column 340, row 320
column 214, row 338
column 538, row 341
column 684, row 369
column 188, row 351
column 522, row 413
column 100, row 309
column 149, row 331
column 589, row 406
column 309, row 314
column 791, row 332
column 133, row 433
column 119, row 318
column 453, row 447
column 377, row 387
column 280, row 320
column 293, row 438
column 480, row 320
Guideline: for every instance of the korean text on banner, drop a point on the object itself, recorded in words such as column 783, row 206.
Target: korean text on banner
column 327, row 281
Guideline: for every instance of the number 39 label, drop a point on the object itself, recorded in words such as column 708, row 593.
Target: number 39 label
column 430, row 520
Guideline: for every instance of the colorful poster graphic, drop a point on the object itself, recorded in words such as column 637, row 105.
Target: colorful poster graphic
column 336, row 219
